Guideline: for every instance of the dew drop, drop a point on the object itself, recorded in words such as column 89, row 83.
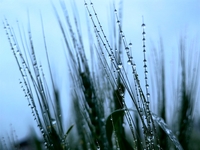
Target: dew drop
column 143, row 25
column 122, row 95
column 53, row 121
column 120, row 65
column 110, row 56
column 129, row 62
column 148, row 94
column 17, row 51
column 134, row 66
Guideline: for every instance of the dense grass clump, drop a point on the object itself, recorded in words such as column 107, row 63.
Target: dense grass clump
column 100, row 89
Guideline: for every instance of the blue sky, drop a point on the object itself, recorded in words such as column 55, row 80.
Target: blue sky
column 168, row 19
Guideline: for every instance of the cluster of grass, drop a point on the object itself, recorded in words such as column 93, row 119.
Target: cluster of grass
column 100, row 90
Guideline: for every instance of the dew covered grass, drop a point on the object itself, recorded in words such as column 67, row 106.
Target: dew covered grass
column 111, row 105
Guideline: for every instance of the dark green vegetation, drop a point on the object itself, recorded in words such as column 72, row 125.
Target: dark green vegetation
column 100, row 91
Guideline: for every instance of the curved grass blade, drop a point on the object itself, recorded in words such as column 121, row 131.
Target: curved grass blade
column 111, row 123
column 70, row 128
